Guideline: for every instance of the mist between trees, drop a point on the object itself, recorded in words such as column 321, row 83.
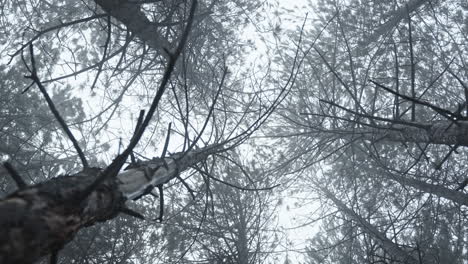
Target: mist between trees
column 180, row 131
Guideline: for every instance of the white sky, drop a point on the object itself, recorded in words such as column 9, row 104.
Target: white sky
column 291, row 213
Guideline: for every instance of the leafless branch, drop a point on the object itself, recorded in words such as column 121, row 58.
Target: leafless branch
column 106, row 47
column 35, row 78
column 413, row 71
column 58, row 27
column 15, row 175
column 117, row 163
column 446, row 113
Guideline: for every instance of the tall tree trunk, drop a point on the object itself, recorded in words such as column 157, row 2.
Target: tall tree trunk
column 242, row 242
column 41, row 219
column 390, row 247
column 438, row 132
column 437, row 190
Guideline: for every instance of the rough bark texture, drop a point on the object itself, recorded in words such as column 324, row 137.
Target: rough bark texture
column 133, row 182
column 42, row 218
column 440, row 132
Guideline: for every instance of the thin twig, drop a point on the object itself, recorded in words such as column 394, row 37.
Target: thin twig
column 225, row 71
column 161, row 203
column 58, row 27
column 452, row 150
column 138, row 124
column 401, row 122
column 397, row 82
column 74, row 74
column 233, row 185
column 106, row 47
column 189, row 189
column 413, row 77
column 166, row 143
column 446, row 113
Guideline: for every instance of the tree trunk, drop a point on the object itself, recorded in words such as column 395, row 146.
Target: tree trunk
column 136, row 21
column 242, row 229
column 437, row 190
column 42, row 218
column 395, row 18
column 391, row 248
column 438, row 132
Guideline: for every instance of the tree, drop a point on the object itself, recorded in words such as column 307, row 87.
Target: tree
column 233, row 224
column 138, row 39
column 378, row 115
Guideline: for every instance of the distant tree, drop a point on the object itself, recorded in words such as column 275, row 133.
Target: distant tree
column 378, row 118
column 233, row 224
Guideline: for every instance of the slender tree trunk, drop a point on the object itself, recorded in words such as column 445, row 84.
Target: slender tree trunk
column 390, row 247
column 438, row 132
column 440, row 191
column 41, row 219
column 242, row 248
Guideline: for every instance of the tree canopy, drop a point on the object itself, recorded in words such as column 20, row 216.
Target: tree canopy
column 181, row 131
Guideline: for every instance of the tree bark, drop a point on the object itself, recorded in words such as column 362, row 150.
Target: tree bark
column 137, row 22
column 457, row 197
column 438, row 132
column 42, row 218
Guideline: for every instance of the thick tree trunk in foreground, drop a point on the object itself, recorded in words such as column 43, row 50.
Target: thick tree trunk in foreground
column 438, row 132
column 389, row 246
column 41, row 219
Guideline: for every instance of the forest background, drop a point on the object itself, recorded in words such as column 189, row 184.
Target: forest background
column 239, row 131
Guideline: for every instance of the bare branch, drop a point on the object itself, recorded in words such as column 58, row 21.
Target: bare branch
column 106, row 47
column 130, row 212
column 15, row 175
column 35, row 78
column 465, row 88
column 58, row 27
column 161, row 203
column 233, row 185
column 117, row 163
column 446, row 113
column 166, row 144
column 413, row 73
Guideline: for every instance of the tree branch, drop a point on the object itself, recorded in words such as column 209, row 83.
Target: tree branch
column 35, row 78
column 113, row 169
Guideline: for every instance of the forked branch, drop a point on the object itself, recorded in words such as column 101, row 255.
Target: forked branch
column 113, row 169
